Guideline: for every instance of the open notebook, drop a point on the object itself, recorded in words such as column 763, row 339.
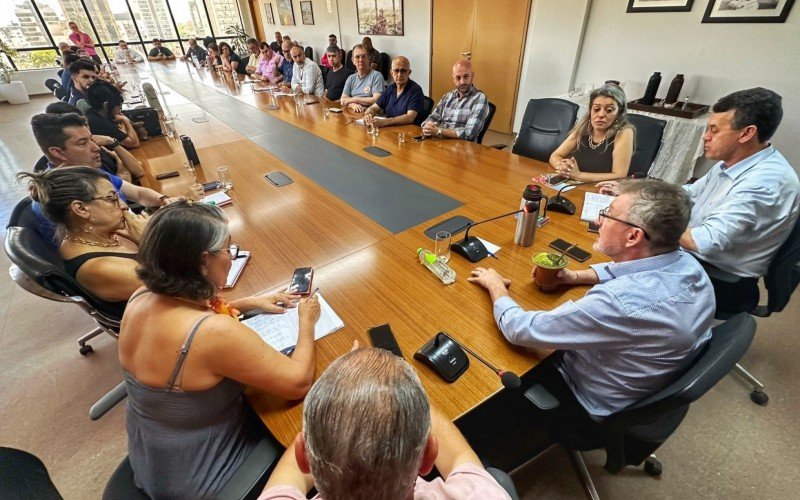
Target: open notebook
column 281, row 330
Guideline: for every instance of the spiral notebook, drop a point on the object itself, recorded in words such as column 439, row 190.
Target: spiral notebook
column 281, row 330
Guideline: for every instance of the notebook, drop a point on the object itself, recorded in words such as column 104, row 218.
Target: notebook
column 220, row 198
column 237, row 266
column 281, row 330
column 592, row 204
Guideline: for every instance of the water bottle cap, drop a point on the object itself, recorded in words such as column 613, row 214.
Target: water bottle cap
column 430, row 258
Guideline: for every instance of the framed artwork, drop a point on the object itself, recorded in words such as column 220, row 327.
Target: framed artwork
column 285, row 12
column 747, row 11
column 269, row 13
column 307, row 12
column 380, row 17
column 659, row 5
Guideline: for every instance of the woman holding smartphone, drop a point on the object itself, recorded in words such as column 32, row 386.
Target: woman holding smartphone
column 187, row 359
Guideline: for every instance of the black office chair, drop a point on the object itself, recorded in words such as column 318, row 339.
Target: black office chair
column 39, row 269
column 385, row 65
column 246, row 483
column 309, row 52
column 23, row 475
column 630, row 436
column 545, row 126
column 492, row 109
column 55, row 87
column 781, row 280
column 649, row 132
column 427, row 107
column 348, row 62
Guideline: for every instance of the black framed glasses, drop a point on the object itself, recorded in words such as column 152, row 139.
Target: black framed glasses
column 400, row 70
column 111, row 198
column 604, row 213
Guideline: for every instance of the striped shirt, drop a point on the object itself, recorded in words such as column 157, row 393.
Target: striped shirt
column 466, row 115
column 629, row 336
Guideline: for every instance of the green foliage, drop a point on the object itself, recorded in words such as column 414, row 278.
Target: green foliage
column 6, row 69
column 239, row 43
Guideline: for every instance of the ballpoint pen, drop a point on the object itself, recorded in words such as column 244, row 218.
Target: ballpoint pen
column 492, row 255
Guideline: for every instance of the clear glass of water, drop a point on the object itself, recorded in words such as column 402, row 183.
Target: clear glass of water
column 401, row 138
column 169, row 128
column 224, row 176
column 325, row 112
column 443, row 239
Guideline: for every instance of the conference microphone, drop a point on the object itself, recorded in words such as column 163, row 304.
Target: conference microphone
column 510, row 380
column 560, row 204
column 472, row 248
column 151, row 95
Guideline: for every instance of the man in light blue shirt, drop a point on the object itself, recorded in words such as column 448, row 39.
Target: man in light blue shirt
column 643, row 323
column 365, row 86
column 747, row 204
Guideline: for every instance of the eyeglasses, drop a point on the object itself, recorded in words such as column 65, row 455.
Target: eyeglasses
column 360, row 56
column 111, row 198
column 400, row 70
column 233, row 249
column 604, row 213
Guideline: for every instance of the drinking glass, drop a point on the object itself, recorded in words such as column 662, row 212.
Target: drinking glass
column 401, row 138
column 224, row 176
column 325, row 112
column 169, row 128
column 443, row 239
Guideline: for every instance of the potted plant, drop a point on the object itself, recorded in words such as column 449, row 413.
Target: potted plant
column 15, row 92
column 239, row 41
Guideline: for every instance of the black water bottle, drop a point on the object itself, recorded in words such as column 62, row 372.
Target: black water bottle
column 652, row 88
column 674, row 90
column 188, row 148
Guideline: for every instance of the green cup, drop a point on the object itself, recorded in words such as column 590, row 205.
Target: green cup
column 547, row 265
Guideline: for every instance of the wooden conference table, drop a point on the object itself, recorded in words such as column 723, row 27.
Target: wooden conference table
column 369, row 274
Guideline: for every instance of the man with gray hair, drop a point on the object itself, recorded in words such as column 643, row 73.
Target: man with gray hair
column 636, row 330
column 369, row 432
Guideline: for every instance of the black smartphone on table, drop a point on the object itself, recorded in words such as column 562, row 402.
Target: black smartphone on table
column 383, row 338
column 418, row 138
column 301, row 280
column 576, row 253
column 557, row 179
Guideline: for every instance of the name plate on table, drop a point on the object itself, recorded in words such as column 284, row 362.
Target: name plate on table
column 377, row 151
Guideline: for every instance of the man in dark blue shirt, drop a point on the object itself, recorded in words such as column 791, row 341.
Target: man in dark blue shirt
column 288, row 62
column 401, row 102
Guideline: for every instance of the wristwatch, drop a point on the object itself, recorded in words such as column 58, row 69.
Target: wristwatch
column 439, row 132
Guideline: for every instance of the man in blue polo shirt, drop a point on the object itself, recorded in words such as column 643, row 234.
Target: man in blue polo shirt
column 401, row 102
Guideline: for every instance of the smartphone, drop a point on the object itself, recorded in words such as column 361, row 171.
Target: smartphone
column 167, row 175
column 557, row 179
column 335, row 110
column 301, row 280
column 383, row 338
column 576, row 253
column 208, row 186
column 418, row 138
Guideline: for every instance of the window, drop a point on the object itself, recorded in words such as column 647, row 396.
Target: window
column 224, row 15
column 190, row 16
column 35, row 27
column 153, row 19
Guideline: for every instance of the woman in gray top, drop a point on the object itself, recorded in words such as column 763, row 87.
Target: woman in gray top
column 187, row 359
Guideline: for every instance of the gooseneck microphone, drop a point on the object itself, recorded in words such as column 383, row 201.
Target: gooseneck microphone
column 562, row 205
column 472, row 248
column 510, row 380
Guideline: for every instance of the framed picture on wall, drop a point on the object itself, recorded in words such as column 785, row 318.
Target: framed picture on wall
column 269, row 13
column 380, row 17
column 307, row 12
column 659, row 5
column 747, row 11
column 285, row 12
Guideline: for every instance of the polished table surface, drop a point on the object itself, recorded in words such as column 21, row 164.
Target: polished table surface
column 369, row 275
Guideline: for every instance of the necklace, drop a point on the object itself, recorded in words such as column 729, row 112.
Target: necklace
column 113, row 243
column 594, row 145
column 215, row 304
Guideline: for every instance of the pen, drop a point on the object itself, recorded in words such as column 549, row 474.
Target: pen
column 492, row 255
column 314, row 292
